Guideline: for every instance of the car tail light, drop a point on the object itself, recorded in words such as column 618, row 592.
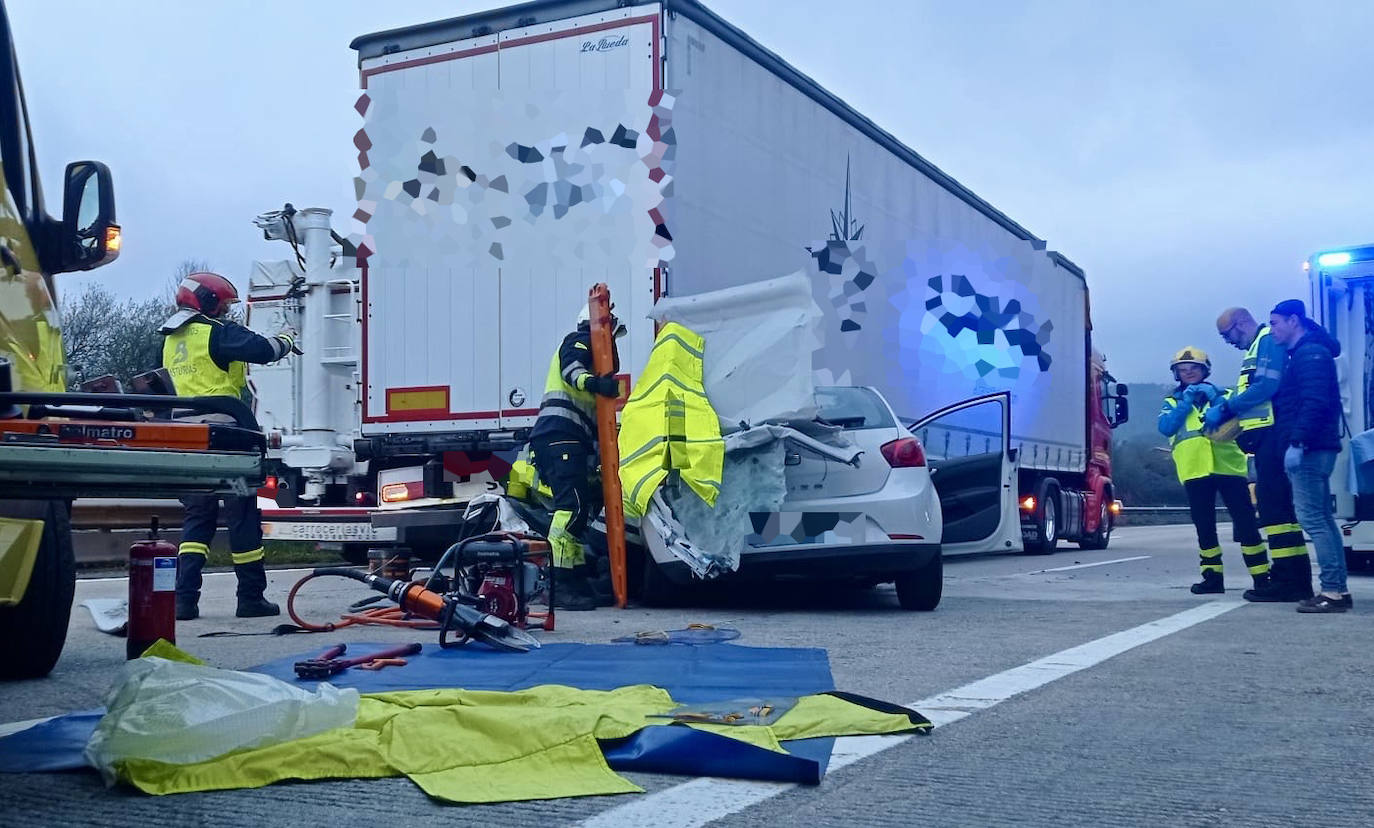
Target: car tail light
column 905, row 453
column 399, row 492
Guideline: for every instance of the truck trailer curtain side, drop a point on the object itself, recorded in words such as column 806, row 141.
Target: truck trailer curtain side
column 509, row 160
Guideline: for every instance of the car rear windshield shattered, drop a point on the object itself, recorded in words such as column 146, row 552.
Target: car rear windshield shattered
column 851, row 408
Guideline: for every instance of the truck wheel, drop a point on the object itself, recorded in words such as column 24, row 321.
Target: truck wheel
column 920, row 589
column 32, row 634
column 1047, row 524
column 1103, row 535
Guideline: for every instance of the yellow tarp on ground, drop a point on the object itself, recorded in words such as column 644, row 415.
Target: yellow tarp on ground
column 669, row 424
column 486, row 746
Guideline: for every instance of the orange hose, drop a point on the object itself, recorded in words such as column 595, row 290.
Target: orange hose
column 381, row 616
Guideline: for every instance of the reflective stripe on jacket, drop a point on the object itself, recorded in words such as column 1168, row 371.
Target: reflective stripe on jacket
column 1194, row 454
column 565, row 408
column 669, row 426
column 1262, row 415
column 186, row 356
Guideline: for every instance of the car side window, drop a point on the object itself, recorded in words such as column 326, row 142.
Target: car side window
column 966, row 432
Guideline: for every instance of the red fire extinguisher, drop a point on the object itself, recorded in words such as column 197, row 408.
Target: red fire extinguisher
column 152, row 593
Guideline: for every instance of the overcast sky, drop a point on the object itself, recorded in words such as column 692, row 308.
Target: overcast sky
column 1189, row 155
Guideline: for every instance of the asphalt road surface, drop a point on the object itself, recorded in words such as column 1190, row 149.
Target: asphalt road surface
column 1086, row 688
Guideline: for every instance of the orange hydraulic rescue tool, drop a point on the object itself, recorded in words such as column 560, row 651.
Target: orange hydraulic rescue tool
column 603, row 362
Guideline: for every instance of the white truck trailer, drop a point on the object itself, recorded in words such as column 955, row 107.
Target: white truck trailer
column 510, row 159
column 1342, row 299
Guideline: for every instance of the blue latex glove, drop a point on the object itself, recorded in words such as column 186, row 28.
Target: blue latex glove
column 1292, row 458
column 1208, row 391
column 1215, row 416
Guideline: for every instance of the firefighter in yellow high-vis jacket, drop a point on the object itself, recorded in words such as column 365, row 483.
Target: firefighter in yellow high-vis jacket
column 206, row 356
column 1208, row 468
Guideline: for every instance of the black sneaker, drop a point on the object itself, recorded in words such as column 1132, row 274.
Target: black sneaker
column 1325, row 603
column 187, row 610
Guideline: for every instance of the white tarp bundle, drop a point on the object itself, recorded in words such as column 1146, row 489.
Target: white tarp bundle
column 759, row 342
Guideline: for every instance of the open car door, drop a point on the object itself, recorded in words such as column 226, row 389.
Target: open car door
column 968, row 449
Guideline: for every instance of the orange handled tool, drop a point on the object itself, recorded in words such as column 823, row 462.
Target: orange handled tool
column 603, row 363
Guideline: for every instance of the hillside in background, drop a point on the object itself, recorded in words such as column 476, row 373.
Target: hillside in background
column 1142, row 468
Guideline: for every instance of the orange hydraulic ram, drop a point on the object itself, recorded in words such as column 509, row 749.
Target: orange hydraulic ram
column 603, row 363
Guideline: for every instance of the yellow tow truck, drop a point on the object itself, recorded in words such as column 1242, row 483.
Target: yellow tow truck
column 54, row 445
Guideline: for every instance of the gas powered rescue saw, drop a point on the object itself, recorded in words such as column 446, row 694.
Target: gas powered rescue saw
column 453, row 616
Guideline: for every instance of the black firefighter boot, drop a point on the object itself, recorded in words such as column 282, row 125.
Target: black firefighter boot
column 571, row 591
column 1292, row 577
column 1210, row 584
column 597, row 584
column 188, row 585
column 252, row 582
column 1264, row 590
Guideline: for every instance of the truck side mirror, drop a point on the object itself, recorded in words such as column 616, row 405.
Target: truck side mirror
column 1123, row 410
column 90, row 236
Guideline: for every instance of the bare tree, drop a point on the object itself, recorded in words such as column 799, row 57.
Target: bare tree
column 104, row 335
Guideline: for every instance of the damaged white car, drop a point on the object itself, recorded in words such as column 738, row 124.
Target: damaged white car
column 854, row 504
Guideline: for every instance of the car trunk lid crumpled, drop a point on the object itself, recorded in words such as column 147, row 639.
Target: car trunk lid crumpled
column 754, row 364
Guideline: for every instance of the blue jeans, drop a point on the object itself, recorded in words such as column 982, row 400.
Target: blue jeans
column 1312, row 501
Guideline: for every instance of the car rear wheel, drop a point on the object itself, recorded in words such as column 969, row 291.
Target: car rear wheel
column 920, row 589
column 33, row 632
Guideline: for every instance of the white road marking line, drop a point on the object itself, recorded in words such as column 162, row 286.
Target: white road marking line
column 270, row 573
column 1086, row 565
column 15, row 727
column 703, row 800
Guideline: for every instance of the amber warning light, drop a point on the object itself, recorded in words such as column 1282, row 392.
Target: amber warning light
column 114, row 239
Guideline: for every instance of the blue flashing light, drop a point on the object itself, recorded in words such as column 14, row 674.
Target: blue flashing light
column 1333, row 259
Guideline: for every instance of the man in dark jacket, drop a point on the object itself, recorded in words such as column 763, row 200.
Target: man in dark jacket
column 1307, row 412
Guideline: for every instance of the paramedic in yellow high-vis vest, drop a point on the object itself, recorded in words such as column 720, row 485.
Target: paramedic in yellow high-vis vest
column 207, row 356
column 1208, row 468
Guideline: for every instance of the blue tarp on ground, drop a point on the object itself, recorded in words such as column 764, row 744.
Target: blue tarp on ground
column 691, row 674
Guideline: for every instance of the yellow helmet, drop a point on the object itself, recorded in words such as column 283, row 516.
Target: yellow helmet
column 1197, row 356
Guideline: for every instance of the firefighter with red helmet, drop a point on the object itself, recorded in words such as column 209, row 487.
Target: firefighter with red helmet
column 207, row 355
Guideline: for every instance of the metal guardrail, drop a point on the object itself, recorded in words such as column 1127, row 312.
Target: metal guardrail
column 103, row 528
column 120, row 513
